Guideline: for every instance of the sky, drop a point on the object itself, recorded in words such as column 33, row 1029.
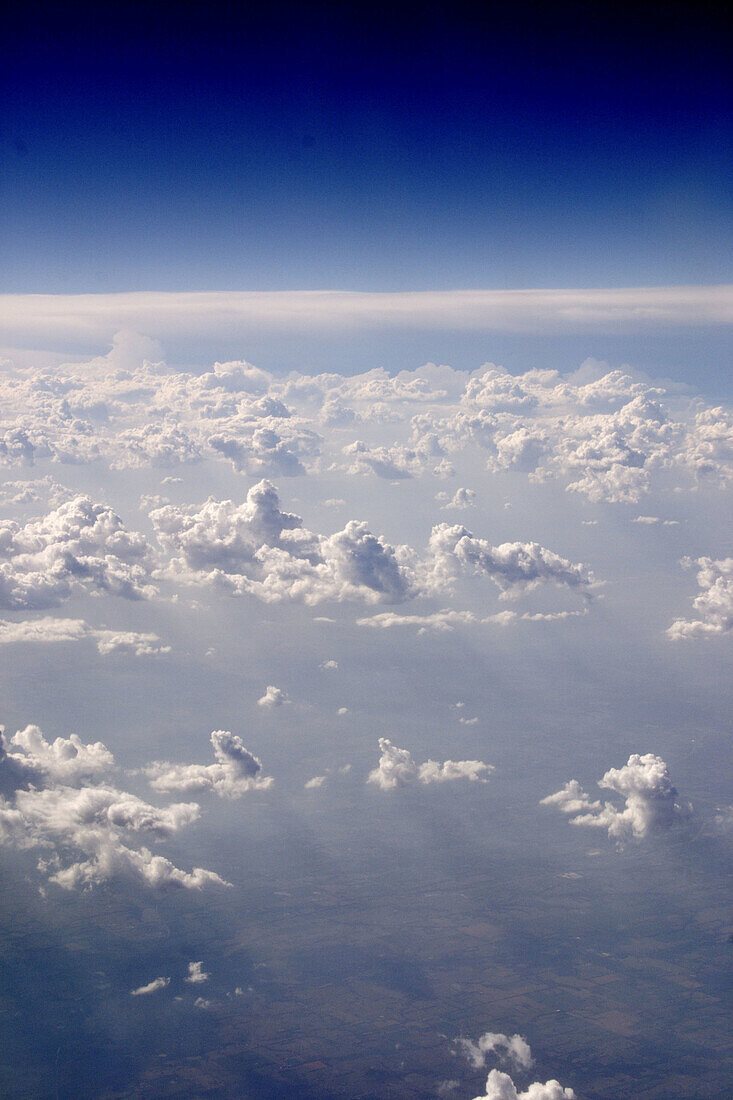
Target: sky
column 284, row 147
column 366, row 576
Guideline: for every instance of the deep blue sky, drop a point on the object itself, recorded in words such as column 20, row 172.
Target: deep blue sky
column 282, row 146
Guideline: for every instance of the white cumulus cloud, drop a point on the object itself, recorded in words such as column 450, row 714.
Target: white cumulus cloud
column 396, row 768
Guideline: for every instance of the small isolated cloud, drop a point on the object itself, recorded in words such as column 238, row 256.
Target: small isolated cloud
column 462, row 498
column 151, row 987
column 202, row 1003
column 714, row 604
column 235, row 771
column 499, row 1086
column 396, row 768
column 329, row 666
column 196, row 973
column 512, row 1049
column 650, row 800
column 342, row 711
column 319, row 781
column 273, row 697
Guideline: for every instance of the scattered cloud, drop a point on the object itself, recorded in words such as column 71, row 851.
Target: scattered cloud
column 196, row 973
column 513, row 1049
column 651, row 802
column 273, row 697
column 151, row 987
column 56, row 799
column 714, row 604
column 49, row 631
column 235, row 771
column 396, row 768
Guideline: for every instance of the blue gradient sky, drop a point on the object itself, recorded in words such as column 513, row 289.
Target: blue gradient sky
column 293, row 147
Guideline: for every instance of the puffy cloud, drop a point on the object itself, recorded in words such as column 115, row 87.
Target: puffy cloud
column 650, row 800
column 462, row 498
column 329, row 666
column 515, row 567
column 714, row 604
column 256, row 548
column 50, row 631
column 196, row 973
column 235, row 771
column 78, row 546
column 316, row 782
column 265, row 450
column 65, row 760
column 65, row 817
column 393, row 462
column 396, row 768
column 151, row 987
column 273, row 697
column 499, row 1086
column 511, row 1048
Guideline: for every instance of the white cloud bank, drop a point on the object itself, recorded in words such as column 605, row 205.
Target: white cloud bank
column 650, row 800
column 38, row 320
column 396, row 768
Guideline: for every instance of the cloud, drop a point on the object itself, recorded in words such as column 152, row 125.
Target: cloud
column 441, row 621
column 316, row 782
column 650, row 800
column 35, row 320
column 499, row 1086
column 513, row 1049
column 65, row 760
column 56, row 800
column 515, row 567
column 462, row 498
column 49, row 631
column 329, row 666
column 151, row 987
column 396, row 768
column 196, row 973
column 714, row 604
column 235, row 771
column 79, row 546
column 255, row 548
column 273, row 697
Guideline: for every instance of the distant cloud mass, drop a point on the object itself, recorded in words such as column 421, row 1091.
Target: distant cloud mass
column 59, row 320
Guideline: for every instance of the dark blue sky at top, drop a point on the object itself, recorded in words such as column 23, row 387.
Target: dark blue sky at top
column 280, row 146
